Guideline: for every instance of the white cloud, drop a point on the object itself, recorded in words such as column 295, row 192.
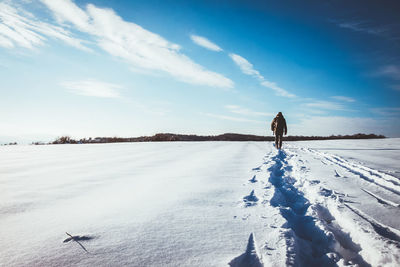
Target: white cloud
column 247, row 68
column 204, row 42
column 230, row 118
column 344, row 98
column 387, row 111
column 244, row 111
column 20, row 28
column 136, row 45
column 67, row 11
column 5, row 42
column 92, row 88
column 316, row 111
column 328, row 125
column 325, row 105
column 278, row 90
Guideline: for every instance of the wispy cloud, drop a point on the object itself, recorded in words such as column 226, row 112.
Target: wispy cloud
column 328, row 125
column 247, row 68
column 19, row 28
column 364, row 27
column 230, row 118
column 390, row 71
column 316, row 111
column 134, row 44
column 244, row 111
column 395, row 87
column 387, row 111
column 325, row 105
column 204, row 42
column 383, row 30
column 344, row 98
column 92, row 88
column 278, row 90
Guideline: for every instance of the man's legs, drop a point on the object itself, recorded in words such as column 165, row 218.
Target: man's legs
column 278, row 141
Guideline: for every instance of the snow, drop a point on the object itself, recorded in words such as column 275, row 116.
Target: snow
column 315, row 203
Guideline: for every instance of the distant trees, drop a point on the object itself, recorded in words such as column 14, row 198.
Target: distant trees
column 333, row 137
column 10, row 144
column 64, row 140
column 37, row 143
column 169, row 137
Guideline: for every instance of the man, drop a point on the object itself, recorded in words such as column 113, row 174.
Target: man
column 278, row 126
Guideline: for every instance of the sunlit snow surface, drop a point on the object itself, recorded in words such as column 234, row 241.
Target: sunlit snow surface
column 316, row 203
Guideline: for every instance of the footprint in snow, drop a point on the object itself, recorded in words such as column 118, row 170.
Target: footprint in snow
column 245, row 217
column 250, row 200
column 268, row 247
column 337, row 174
column 253, row 180
column 257, row 169
column 330, row 193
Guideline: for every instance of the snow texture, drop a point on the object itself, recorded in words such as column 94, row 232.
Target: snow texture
column 314, row 203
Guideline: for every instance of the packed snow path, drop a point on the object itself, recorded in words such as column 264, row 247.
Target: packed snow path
column 201, row 204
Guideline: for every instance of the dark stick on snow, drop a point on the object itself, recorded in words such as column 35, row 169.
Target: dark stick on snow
column 75, row 238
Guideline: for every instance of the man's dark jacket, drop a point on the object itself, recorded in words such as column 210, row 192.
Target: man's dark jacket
column 278, row 125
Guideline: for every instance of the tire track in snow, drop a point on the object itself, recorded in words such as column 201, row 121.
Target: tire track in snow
column 345, row 245
column 381, row 229
column 310, row 234
column 380, row 179
column 357, row 241
column 381, row 200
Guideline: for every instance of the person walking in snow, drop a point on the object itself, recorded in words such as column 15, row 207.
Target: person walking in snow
column 278, row 126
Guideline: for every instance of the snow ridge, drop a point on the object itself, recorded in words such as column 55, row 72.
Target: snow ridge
column 381, row 229
column 381, row 200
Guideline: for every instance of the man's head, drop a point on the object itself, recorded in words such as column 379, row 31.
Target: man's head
column 279, row 114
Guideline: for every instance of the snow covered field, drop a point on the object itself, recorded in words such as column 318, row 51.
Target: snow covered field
column 316, row 203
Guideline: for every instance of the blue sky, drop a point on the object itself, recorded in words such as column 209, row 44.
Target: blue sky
column 131, row 68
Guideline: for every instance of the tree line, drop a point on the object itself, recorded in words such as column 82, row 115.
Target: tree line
column 170, row 137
